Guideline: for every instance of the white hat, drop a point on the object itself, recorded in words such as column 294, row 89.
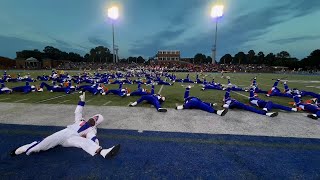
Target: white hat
column 98, row 118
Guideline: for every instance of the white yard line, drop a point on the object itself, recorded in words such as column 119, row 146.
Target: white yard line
column 160, row 89
column 4, row 99
column 63, row 102
column 240, row 94
column 53, row 98
column 21, row 100
column 107, row 103
column 89, row 100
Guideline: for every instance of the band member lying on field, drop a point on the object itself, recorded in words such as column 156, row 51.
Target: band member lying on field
column 25, row 89
column 155, row 99
column 232, row 103
column 141, row 91
column 314, row 107
column 191, row 102
column 80, row 134
column 302, row 93
column 4, row 89
column 267, row 105
column 275, row 91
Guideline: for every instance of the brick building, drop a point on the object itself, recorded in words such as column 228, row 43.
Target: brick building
column 168, row 55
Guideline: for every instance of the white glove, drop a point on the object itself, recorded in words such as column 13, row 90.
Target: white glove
column 83, row 97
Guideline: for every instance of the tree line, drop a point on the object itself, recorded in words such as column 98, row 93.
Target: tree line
column 99, row 54
column 282, row 58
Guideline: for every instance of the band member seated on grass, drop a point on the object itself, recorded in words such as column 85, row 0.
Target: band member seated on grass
column 212, row 85
column 162, row 82
column 127, row 81
column 43, row 78
column 27, row 78
column 275, row 91
column 122, row 92
column 198, row 81
column 66, row 87
column 81, row 134
column 232, row 103
column 25, row 89
column 154, row 99
column 4, row 89
column 186, row 80
column 256, row 88
column 18, row 79
column 302, row 93
column 93, row 89
column 191, row 102
column 141, row 91
column 4, row 76
column 313, row 107
column 232, row 87
column 267, row 105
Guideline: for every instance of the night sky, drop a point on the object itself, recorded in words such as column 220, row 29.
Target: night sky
column 145, row 26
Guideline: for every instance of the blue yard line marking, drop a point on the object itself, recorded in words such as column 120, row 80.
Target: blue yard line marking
column 213, row 139
column 163, row 155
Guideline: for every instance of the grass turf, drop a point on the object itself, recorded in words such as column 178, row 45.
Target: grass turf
column 174, row 94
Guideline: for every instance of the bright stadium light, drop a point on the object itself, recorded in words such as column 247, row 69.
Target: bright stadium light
column 216, row 13
column 113, row 14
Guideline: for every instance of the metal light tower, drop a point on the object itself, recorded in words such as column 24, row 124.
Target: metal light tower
column 113, row 14
column 216, row 13
column 116, row 49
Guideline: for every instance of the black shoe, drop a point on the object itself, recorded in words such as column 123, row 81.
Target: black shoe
column 114, row 151
column 13, row 152
column 224, row 112
column 162, row 110
column 312, row 116
column 274, row 114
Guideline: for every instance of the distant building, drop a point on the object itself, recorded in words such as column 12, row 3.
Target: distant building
column 7, row 63
column 168, row 55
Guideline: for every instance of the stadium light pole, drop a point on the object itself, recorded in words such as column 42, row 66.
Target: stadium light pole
column 216, row 13
column 113, row 14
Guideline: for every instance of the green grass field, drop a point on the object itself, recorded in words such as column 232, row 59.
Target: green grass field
column 174, row 94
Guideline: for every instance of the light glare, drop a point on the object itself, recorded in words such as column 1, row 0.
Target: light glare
column 217, row 11
column 113, row 13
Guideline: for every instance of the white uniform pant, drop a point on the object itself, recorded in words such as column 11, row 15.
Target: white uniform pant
column 65, row 138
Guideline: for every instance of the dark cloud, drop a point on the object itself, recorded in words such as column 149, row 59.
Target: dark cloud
column 180, row 16
column 61, row 42
column 303, row 7
column 150, row 45
column 98, row 41
column 293, row 39
column 241, row 30
column 10, row 45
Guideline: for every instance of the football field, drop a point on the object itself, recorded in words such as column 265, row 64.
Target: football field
column 186, row 144
column 174, row 94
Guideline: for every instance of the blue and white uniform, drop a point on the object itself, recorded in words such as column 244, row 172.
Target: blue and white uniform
column 141, row 92
column 4, row 89
column 79, row 134
column 266, row 105
column 191, row 102
column 313, row 108
column 232, row 103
